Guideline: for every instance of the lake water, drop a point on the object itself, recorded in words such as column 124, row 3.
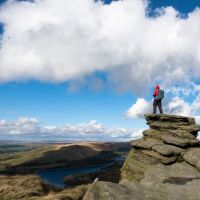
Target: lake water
column 55, row 176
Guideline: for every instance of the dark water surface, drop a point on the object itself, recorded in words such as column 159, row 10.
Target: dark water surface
column 55, row 176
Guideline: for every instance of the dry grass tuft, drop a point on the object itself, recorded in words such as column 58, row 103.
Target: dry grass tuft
column 30, row 187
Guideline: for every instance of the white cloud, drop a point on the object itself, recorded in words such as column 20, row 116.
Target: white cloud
column 138, row 109
column 31, row 128
column 175, row 105
column 179, row 106
column 59, row 40
column 23, row 125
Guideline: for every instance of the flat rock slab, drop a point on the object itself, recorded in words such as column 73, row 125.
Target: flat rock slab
column 173, row 126
column 145, row 144
column 157, row 134
column 188, row 189
column 192, row 156
column 169, row 118
column 161, row 158
column 175, row 174
column 181, row 142
column 131, row 191
column 181, row 133
column 167, row 150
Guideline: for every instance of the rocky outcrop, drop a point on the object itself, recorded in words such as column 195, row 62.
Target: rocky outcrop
column 171, row 182
column 170, row 139
column 161, row 165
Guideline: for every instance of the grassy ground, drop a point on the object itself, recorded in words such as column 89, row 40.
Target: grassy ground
column 29, row 187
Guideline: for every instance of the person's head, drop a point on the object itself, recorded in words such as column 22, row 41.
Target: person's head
column 157, row 87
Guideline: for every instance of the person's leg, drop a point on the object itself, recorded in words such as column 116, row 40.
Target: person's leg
column 154, row 106
column 160, row 106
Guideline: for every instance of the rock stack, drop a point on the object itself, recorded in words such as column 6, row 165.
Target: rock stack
column 170, row 139
column 160, row 166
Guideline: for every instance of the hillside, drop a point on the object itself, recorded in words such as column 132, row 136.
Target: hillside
column 61, row 155
column 23, row 185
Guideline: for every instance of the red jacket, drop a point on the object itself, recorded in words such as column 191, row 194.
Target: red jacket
column 156, row 91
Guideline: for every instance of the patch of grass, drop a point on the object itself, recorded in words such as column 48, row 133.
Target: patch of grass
column 30, row 187
column 75, row 193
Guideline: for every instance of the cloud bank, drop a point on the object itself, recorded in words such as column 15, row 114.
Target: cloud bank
column 59, row 40
column 32, row 129
column 175, row 105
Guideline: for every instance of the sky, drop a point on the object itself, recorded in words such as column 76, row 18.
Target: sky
column 86, row 69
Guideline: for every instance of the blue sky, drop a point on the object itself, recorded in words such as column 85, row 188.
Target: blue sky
column 55, row 104
column 184, row 6
column 101, row 92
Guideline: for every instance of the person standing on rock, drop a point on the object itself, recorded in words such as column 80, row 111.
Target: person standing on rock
column 158, row 96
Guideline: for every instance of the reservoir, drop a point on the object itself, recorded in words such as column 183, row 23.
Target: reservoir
column 55, row 176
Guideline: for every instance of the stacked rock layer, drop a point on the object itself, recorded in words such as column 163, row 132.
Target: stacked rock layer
column 163, row 165
column 170, row 139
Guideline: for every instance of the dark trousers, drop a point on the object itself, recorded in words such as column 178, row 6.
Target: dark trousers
column 159, row 104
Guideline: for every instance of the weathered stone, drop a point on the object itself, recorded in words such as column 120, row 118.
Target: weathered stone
column 172, row 122
column 157, row 134
column 170, row 174
column 169, row 187
column 133, row 170
column 152, row 133
column 131, row 191
column 181, row 142
column 169, row 118
column 136, row 164
column 175, row 182
column 192, row 156
column 145, row 144
column 166, row 126
column 181, row 133
column 167, row 150
column 162, row 159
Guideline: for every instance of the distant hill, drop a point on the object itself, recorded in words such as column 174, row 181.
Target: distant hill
column 62, row 155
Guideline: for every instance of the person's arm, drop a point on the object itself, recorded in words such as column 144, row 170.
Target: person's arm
column 154, row 93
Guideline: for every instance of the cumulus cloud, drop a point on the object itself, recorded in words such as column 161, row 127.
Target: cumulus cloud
column 59, row 40
column 24, row 125
column 138, row 109
column 175, row 105
column 31, row 129
column 181, row 99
